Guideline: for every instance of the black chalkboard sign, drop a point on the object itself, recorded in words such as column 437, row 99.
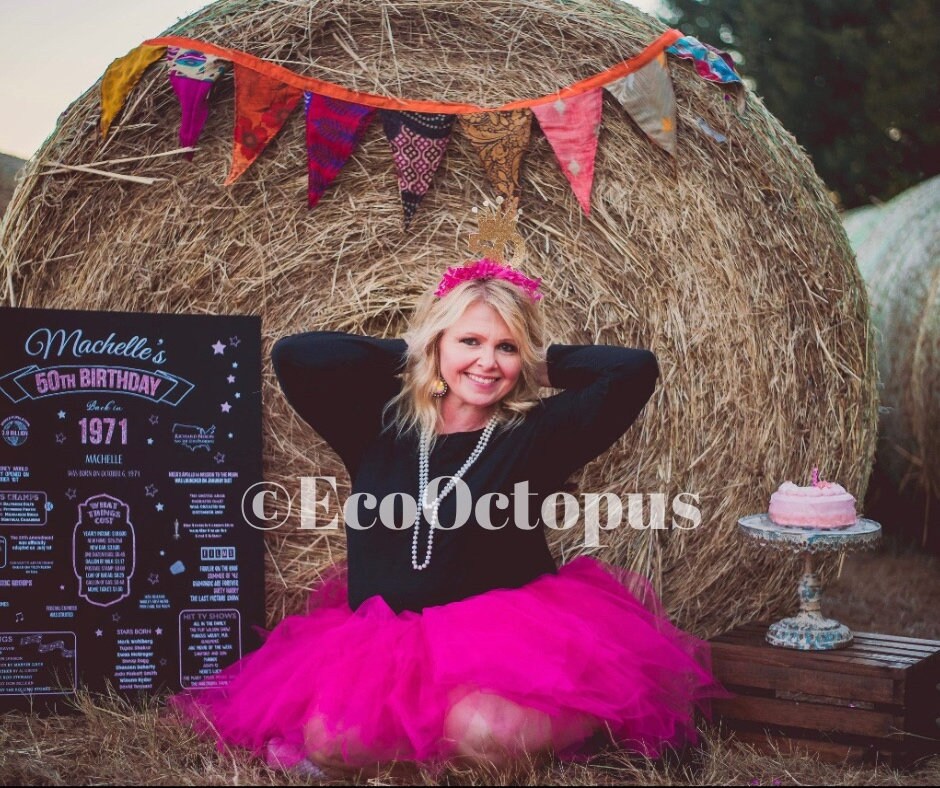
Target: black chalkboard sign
column 126, row 444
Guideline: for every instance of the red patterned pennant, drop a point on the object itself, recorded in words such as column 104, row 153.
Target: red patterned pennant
column 334, row 128
column 571, row 126
column 262, row 105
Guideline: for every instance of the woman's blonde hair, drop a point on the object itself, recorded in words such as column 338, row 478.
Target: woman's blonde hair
column 414, row 408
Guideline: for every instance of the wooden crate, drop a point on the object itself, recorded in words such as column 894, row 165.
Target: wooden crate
column 876, row 701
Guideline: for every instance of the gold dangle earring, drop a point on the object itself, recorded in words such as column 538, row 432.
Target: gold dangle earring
column 439, row 389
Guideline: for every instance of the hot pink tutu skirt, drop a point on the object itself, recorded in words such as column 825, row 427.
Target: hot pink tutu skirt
column 581, row 654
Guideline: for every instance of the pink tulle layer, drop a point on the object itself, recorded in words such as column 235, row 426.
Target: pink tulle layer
column 568, row 657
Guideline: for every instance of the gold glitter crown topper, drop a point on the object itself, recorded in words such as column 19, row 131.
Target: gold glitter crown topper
column 497, row 230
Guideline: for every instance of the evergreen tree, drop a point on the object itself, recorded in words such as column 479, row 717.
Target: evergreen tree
column 855, row 81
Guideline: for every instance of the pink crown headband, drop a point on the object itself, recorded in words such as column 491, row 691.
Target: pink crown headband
column 487, row 269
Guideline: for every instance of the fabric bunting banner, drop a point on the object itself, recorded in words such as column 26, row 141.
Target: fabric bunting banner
column 120, row 79
column 419, row 142
column 334, row 129
column 192, row 75
column 262, row 105
column 572, row 126
column 648, row 97
column 418, row 131
column 710, row 63
column 500, row 139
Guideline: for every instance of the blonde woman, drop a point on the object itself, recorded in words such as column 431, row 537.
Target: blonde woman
column 437, row 641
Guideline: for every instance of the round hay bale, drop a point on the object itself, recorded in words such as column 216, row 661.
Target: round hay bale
column 730, row 263
column 898, row 249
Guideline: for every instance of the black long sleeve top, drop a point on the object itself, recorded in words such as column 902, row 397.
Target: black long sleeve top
column 339, row 383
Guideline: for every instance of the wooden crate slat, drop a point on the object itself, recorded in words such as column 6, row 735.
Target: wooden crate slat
column 902, row 656
column 879, row 651
column 885, row 647
column 907, row 648
column 930, row 644
column 818, row 660
column 881, row 657
column 839, row 655
column 908, row 657
column 838, row 719
column 845, row 686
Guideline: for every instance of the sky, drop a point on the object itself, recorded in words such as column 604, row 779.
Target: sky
column 54, row 50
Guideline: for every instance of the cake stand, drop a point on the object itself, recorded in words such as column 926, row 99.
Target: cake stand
column 809, row 630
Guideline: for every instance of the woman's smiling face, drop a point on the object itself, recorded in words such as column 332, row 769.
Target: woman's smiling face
column 479, row 358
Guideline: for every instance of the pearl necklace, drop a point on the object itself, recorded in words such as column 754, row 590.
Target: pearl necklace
column 423, row 488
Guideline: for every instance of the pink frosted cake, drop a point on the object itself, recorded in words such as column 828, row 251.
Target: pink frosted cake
column 821, row 505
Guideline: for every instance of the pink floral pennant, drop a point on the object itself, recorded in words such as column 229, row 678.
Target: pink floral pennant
column 572, row 126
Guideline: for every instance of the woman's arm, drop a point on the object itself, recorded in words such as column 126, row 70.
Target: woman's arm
column 338, row 383
column 541, row 375
column 606, row 387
